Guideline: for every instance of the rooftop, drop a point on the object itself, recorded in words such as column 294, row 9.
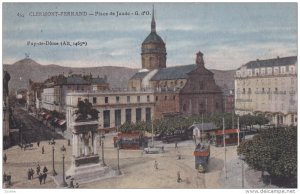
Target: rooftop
column 272, row 62
column 169, row 73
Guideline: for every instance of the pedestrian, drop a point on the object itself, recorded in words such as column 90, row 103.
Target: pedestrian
column 76, row 185
column 40, row 178
column 69, row 142
column 31, row 173
column 44, row 177
column 4, row 158
column 71, row 183
column 43, row 150
column 155, row 165
column 179, row 156
column 176, row 146
column 45, row 170
column 38, row 169
column 178, row 177
column 38, row 143
column 28, row 174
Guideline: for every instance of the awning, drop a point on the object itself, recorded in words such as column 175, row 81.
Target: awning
column 48, row 117
column 62, row 122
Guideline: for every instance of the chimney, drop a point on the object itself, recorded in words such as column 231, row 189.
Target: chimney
column 199, row 59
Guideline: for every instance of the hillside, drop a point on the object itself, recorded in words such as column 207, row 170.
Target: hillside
column 26, row 69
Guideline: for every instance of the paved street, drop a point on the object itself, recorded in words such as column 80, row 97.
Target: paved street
column 33, row 129
column 137, row 168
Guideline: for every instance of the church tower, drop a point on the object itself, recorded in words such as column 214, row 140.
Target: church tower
column 154, row 55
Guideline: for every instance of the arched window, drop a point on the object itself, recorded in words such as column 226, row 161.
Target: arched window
column 184, row 107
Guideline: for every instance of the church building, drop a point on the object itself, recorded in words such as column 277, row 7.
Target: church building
column 187, row 89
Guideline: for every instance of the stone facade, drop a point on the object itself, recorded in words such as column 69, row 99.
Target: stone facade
column 268, row 87
column 166, row 102
column 201, row 94
column 55, row 89
column 115, row 107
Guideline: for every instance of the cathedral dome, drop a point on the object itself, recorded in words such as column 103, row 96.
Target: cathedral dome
column 153, row 38
column 153, row 49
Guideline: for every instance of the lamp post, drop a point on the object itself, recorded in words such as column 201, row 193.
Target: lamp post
column 102, row 145
column 63, row 183
column 118, row 148
column 53, row 169
column 242, row 158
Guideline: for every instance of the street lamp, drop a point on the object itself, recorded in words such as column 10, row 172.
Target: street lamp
column 102, row 145
column 242, row 157
column 118, row 148
column 53, row 169
column 63, row 183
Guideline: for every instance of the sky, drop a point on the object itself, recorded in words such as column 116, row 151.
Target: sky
column 228, row 34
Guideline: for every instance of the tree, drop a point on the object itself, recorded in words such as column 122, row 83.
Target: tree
column 273, row 151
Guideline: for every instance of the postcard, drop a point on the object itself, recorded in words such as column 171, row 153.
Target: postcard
column 150, row 96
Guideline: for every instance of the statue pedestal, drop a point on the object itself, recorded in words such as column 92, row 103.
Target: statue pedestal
column 90, row 172
column 86, row 166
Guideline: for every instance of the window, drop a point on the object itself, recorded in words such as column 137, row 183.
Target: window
column 166, row 97
column 262, row 71
column 138, row 114
column 217, row 105
column 148, row 98
column 174, row 97
column 118, row 118
column 117, row 99
column 282, row 70
column 128, row 98
column 292, row 69
column 276, row 70
column 128, row 115
column 94, row 100
column 184, row 107
column 181, row 83
column 156, row 98
column 138, row 98
column 269, row 70
column 244, row 90
column 106, row 99
column 148, row 114
column 263, row 90
column 249, row 90
column 276, row 90
column 106, row 119
column 201, row 85
column 249, row 72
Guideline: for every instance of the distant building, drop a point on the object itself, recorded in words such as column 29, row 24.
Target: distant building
column 55, row 89
column 6, row 111
column 115, row 107
column 268, row 87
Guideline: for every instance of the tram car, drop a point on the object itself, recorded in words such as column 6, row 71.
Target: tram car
column 202, row 154
column 231, row 137
column 133, row 141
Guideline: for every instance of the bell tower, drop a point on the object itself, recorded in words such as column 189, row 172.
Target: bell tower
column 154, row 55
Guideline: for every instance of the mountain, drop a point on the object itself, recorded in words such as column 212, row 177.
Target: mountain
column 25, row 69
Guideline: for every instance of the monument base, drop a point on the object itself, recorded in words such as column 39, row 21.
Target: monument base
column 90, row 173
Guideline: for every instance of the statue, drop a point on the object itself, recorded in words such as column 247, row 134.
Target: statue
column 85, row 111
